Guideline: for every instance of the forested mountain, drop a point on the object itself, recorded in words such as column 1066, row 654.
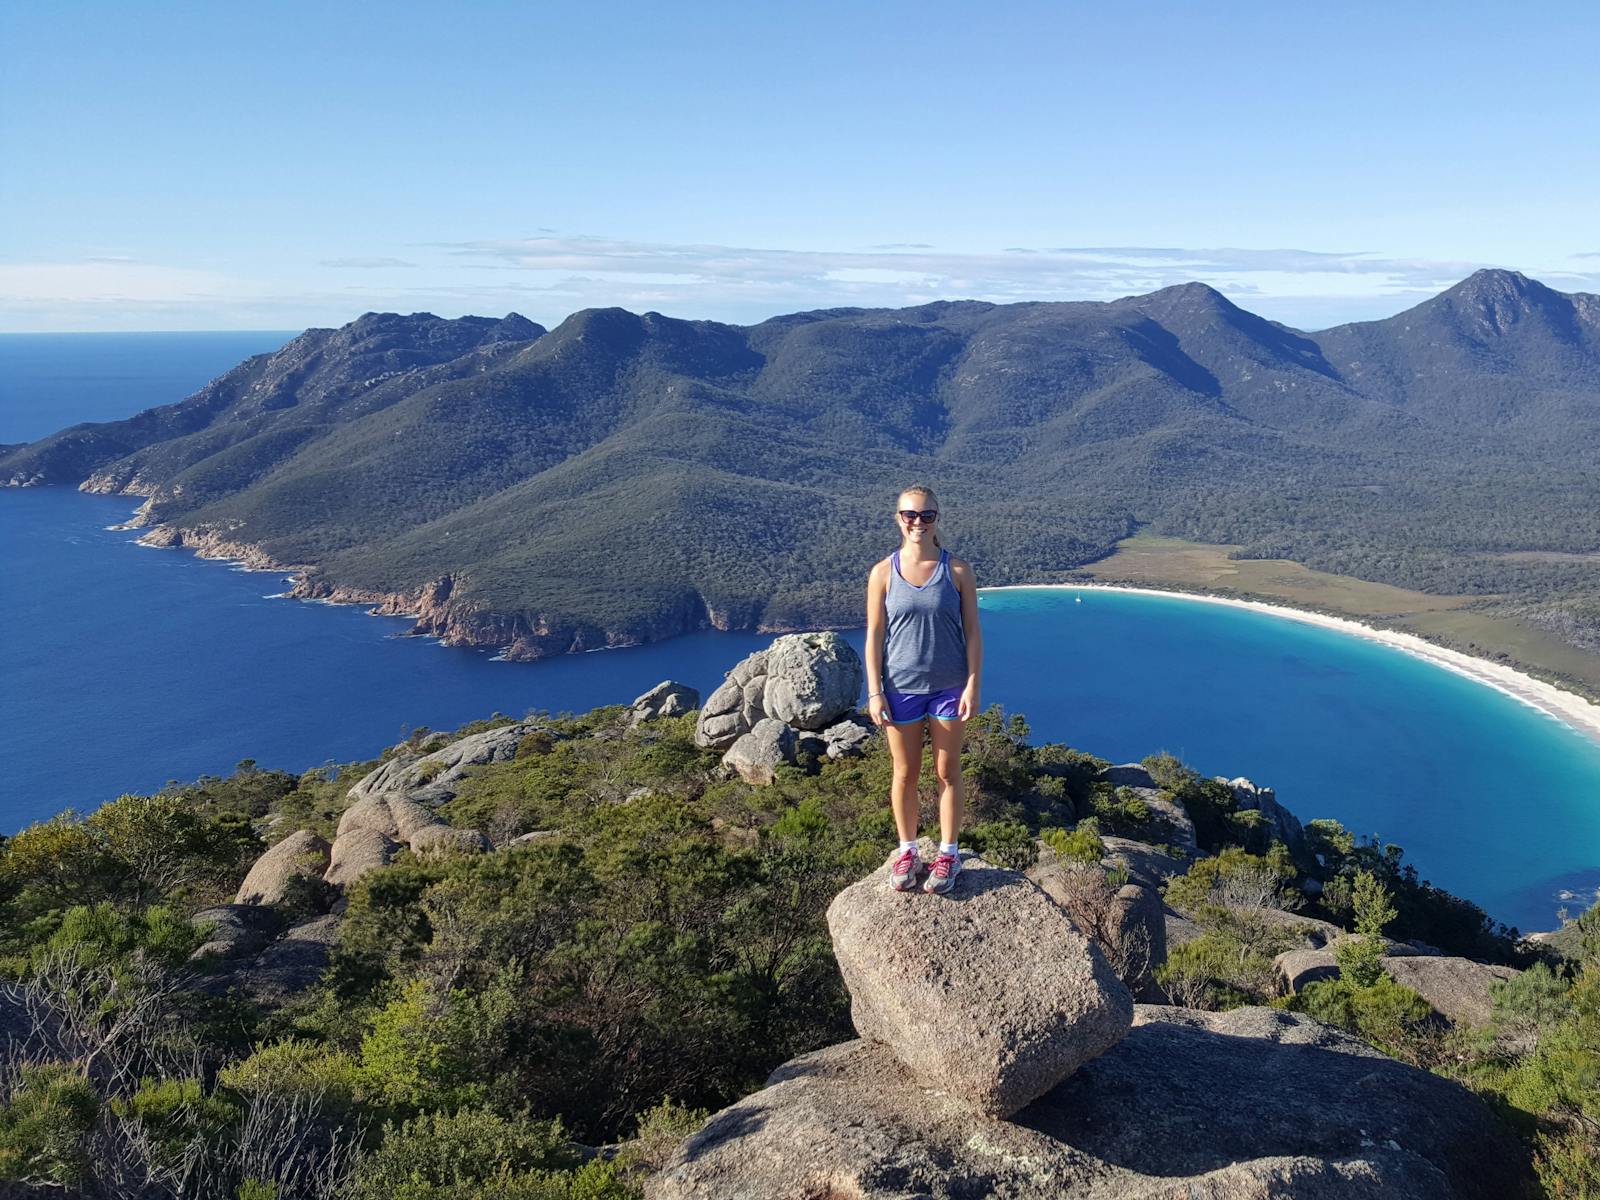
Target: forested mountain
column 626, row 477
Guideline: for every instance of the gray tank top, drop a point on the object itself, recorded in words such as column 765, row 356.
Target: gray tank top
column 926, row 643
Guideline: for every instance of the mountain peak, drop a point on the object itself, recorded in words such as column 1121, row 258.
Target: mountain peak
column 1497, row 282
column 1184, row 299
column 1494, row 300
column 1193, row 292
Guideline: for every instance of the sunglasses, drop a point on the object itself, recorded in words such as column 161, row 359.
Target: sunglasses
column 910, row 515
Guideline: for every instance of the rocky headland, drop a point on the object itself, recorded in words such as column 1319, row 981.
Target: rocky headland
column 468, row 470
column 1000, row 1056
column 1014, row 1038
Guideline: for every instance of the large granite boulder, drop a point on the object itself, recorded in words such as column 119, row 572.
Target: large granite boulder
column 1146, row 864
column 755, row 755
column 1128, row 775
column 1245, row 1105
column 848, row 738
column 806, row 680
column 989, row 993
column 1455, row 988
column 1296, row 968
column 292, row 963
column 236, row 930
column 432, row 779
column 355, row 853
column 269, row 879
column 727, row 712
column 812, row 679
column 441, row 841
column 395, row 816
column 1170, row 823
column 666, row 699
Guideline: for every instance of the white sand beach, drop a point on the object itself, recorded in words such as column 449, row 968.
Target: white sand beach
column 1567, row 707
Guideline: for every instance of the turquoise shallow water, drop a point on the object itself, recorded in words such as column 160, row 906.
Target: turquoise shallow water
column 122, row 668
column 1490, row 798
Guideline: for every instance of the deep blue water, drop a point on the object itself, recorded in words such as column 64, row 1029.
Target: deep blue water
column 51, row 380
column 127, row 667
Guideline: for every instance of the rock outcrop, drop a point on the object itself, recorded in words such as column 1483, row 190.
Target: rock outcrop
column 812, row 679
column 666, row 699
column 1297, row 968
column 1282, row 825
column 1455, row 988
column 355, row 853
column 236, row 930
column 432, row 779
column 989, row 1004
column 805, row 680
column 292, row 963
column 847, row 737
column 1252, row 1103
column 990, row 993
column 393, row 806
column 269, row 880
column 755, row 755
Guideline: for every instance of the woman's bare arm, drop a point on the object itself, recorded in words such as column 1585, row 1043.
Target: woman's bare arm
column 877, row 622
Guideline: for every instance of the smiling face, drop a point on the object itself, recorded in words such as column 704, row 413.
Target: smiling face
column 918, row 531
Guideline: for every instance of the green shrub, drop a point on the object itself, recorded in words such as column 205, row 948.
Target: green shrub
column 1005, row 844
column 1216, row 970
column 661, row 1130
column 475, row 1154
column 175, row 1115
column 1387, row 1014
column 296, row 1069
column 1081, row 845
column 45, row 1123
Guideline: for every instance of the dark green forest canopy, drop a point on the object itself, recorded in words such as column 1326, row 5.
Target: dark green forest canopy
column 637, row 474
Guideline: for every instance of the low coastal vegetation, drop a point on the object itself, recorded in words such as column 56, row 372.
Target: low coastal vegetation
column 643, row 942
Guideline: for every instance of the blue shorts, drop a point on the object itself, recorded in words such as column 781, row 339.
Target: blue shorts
column 906, row 708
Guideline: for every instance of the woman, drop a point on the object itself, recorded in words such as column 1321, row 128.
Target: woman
column 924, row 656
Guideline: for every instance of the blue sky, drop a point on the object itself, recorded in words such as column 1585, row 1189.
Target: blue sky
column 278, row 165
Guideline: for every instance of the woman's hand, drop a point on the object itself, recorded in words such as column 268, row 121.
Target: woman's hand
column 878, row 710
column 968, row 704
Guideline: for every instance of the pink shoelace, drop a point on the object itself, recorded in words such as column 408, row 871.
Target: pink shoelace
column 906, row 862
column 944, row 865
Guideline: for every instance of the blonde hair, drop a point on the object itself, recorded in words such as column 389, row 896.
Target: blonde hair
column 919, row 489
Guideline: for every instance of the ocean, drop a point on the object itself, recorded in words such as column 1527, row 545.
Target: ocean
column 128, row 667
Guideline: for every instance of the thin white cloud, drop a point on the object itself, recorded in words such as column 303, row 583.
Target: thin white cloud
column 364, row 264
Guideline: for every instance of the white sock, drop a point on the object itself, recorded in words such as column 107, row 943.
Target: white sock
column 905, row 845
column 950, row 848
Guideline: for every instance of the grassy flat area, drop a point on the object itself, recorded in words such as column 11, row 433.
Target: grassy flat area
column 1175, row 563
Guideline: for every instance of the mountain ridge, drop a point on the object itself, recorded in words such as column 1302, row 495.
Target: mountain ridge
column 625, row 476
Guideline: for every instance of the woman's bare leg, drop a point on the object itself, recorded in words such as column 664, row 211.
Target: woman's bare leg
column 905, row 748
column 947, row 736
